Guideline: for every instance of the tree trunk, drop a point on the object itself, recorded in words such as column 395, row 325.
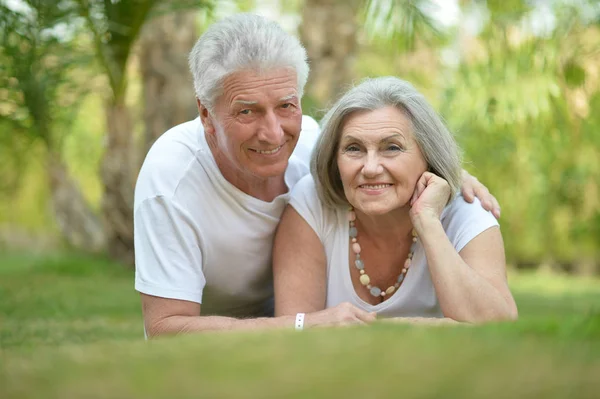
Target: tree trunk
column 329, row 33
column 168, row 90
column 117, row 202
column 79, row 225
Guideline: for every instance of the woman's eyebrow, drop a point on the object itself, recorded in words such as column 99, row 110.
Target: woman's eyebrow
column 393, row 136
column 350, row 138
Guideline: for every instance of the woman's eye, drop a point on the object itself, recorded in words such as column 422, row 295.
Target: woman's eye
column 352, row 148
column 393, row 147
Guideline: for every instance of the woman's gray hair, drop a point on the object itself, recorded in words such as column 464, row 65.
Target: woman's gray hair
column 436, row 143
column 241, row 42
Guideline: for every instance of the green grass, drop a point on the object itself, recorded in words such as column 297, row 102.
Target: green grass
column 70, row 327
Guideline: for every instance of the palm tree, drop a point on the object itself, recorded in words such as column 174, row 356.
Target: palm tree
column 168, row 94
column 115, row 27
column 41, row 68
column 331, row 32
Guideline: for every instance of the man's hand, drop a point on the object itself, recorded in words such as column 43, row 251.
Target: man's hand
column 471, row 188
column 344, row 314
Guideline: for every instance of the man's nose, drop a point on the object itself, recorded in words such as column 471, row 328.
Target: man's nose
column 372, row 166
column 271, row 130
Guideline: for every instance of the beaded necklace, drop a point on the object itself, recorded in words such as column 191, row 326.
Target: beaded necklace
column 364, row 278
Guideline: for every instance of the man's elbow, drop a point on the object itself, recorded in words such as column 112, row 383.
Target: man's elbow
column 512, row 314
column 158, row 328
column 152, row 330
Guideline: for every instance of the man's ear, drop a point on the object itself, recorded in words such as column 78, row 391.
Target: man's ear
column 206, row 118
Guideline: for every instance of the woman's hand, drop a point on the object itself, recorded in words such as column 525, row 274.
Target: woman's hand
column 429, row 200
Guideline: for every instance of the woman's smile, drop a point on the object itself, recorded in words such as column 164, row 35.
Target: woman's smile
column 374, row 188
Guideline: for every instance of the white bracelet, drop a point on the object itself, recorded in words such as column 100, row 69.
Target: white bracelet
column 300, row 321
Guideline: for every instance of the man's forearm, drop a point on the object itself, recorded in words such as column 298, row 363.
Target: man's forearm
column 174, row 325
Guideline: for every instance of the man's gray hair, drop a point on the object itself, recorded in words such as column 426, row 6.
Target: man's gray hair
column 242, row 42
column 436, row 143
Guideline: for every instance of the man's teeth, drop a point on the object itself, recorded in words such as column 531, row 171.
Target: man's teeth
column 375, row 186
column 273, row 151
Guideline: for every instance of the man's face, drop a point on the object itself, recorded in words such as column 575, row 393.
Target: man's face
column 255, row 124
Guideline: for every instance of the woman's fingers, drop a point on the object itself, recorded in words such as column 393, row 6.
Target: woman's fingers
column 419, row 188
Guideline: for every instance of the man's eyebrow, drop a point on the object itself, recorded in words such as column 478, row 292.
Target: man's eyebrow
column 245, row 102
column 290, row 97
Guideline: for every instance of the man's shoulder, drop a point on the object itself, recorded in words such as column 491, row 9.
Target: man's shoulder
column 307, row 140
column 309, row 124
column 168, row 160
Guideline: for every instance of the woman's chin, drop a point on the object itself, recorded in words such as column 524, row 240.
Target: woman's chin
column 375, row 209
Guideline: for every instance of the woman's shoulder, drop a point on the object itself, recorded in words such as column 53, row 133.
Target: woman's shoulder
column 305, row 200
column 305, row 184
column 459, row 207
column 462, row 220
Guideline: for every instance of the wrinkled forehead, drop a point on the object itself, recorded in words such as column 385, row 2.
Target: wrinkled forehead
column 277, row 82
column 376, row 124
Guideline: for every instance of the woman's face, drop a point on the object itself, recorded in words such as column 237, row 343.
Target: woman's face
column 379, row 160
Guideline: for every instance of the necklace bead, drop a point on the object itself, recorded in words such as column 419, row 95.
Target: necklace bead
column 364, row 278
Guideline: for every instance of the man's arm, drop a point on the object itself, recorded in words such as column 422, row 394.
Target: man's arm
column 163, row 316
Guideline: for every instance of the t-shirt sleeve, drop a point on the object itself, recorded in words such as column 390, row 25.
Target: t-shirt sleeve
column 168, row 260
column 307, row 140
column 306, row 202
column 464, row 221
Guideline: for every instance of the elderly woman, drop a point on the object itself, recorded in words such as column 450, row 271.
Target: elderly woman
column 378, row 223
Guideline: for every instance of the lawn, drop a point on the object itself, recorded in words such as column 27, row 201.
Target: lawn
column 70, row 327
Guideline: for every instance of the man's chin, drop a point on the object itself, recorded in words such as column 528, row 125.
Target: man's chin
column 269, row 171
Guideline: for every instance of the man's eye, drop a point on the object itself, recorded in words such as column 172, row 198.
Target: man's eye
column 245, row 112
column 287, row 105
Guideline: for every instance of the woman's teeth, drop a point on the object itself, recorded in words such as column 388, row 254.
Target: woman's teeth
column 375, row 186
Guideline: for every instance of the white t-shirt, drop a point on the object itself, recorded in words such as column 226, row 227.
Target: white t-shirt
column 416, row 296
column 197, row 237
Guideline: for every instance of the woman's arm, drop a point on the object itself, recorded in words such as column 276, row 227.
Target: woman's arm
column 299, row 266
column 471, row 285
column 300, row 277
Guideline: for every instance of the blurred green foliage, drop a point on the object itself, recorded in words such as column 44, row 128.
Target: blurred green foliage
column 518, row 83
column 523, row 106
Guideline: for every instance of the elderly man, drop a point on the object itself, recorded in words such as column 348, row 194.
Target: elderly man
column 211, row 191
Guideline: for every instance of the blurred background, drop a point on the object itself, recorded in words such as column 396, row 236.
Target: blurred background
column 86, row 86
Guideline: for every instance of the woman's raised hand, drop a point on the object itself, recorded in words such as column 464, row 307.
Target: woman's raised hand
column 429, row 199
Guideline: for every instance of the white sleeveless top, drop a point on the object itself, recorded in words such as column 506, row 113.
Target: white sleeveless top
column 416, row 296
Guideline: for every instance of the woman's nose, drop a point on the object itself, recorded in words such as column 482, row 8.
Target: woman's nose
column 372, row 166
